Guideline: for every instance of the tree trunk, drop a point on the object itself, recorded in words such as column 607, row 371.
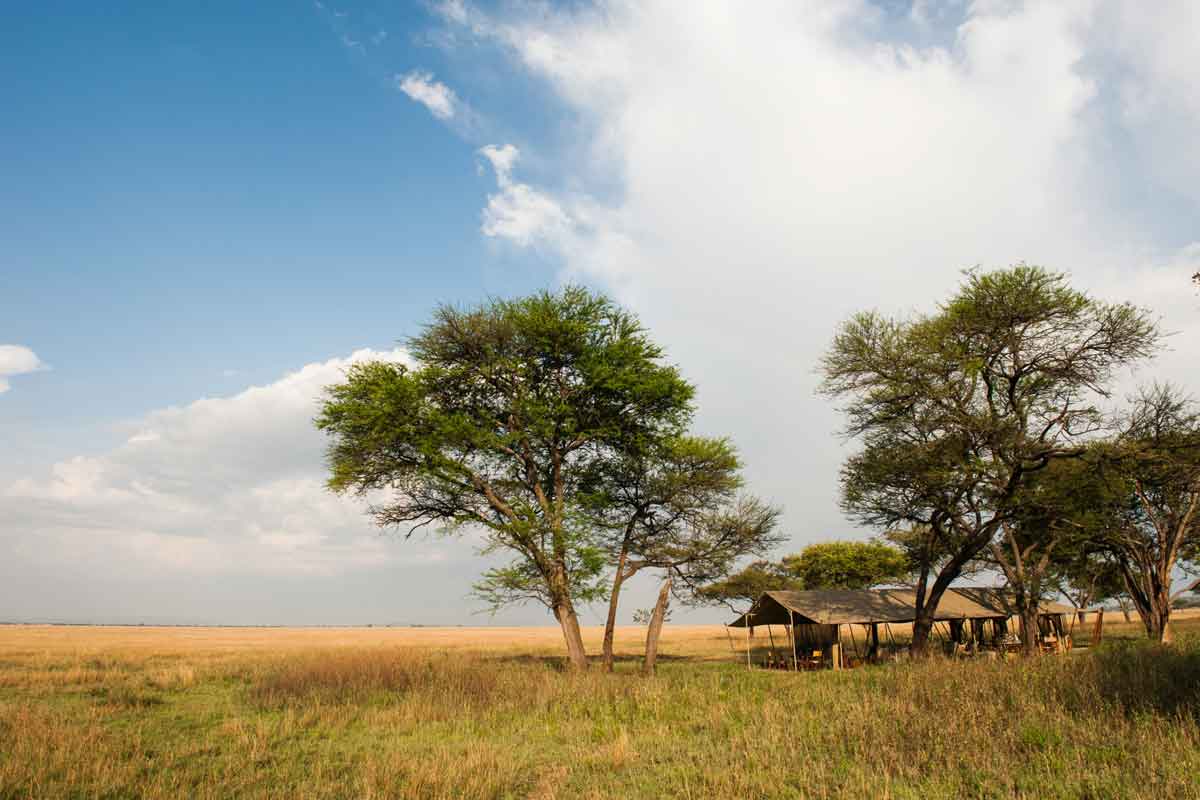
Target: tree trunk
column 655, row 628
column 1025, row 579
column 1027, row 613
column 922, row 626
column 1165, row 636
column 923, row 623
column 564, row 612
column 611, row 623
column 1029, row 628
column 1160, row 601
column 1151, row 596
column 1162, row 608
column 1158, row 623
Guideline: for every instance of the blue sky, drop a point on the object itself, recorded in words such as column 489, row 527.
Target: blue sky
column 192, row 189
column 207, row 209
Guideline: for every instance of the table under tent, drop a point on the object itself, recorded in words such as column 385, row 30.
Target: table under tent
column 819, row 627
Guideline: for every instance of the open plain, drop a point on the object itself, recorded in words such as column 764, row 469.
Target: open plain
column 489, row 713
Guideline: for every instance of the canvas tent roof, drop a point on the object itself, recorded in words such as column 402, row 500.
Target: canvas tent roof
column 849, row 606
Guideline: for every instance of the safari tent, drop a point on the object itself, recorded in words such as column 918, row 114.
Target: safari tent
column 820, row 626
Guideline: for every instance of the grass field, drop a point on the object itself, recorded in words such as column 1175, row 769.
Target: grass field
column 487, row 712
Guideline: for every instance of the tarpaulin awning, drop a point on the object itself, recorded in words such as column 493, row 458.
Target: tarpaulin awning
column 865, row 606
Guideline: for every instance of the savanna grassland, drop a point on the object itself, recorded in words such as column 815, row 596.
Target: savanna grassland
column 489, row 713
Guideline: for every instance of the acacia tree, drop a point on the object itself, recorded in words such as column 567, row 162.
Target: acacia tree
column 648, row 494
column 955, row 410
column 847, row 565
column 1157, row 455
column 1087, row 577
column 738, row 591
column 1057, row 514
column 510, row 404
column 698, row 551
column 825, row 565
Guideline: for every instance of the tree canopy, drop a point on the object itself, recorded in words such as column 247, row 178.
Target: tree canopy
column 842, row 564
column 740, row 589
column 847, row 565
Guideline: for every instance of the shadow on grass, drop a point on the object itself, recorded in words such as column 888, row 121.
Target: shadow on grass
column 1147, row 677
column 561, row 663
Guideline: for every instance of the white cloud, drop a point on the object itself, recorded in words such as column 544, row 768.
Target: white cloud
column 518, row 212
column 227, row 485
column 502, row 158
column 1161, row 284
column 434, row 95
column 453, row 10
column 1151, row 54
column 17, row 360
column 770, row 167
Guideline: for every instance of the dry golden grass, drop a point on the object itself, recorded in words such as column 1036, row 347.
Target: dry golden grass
column 488, row 713
column 700, row 641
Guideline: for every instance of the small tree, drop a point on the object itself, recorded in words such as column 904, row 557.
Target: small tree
column 695, row 554
column 738, row 591
column 642, row 616
column 1058, row 513
column 1087, row 578
column 511, row 404
column 649, row 494
column 847, row 565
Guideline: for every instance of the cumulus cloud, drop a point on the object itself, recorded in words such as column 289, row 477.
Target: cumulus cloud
column 434, row 95
column 16, row 360
column 518, row 212
column 226, row 485
column 502, row 158
column 761, row 170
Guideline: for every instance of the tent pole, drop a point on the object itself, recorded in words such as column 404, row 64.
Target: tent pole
column 748, row 644
column 771, row 636
column 792, row 639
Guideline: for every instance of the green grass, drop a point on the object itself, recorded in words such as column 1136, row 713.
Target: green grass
column 1123, row 722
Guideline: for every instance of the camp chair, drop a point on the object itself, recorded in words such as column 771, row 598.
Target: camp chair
column 1049, row 643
